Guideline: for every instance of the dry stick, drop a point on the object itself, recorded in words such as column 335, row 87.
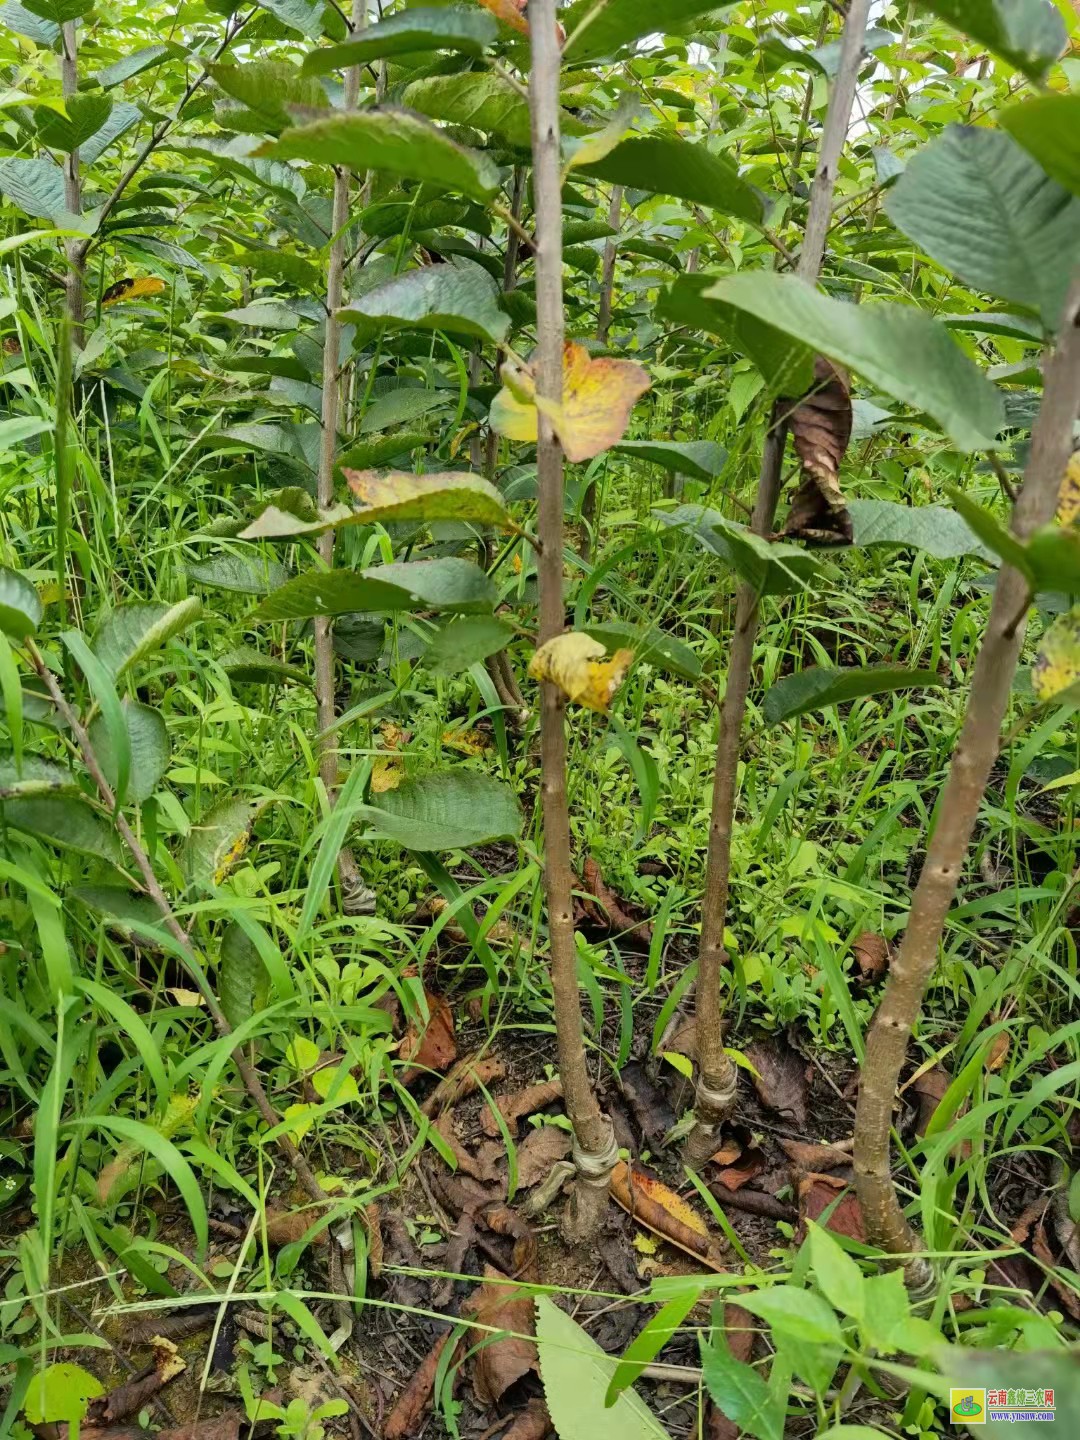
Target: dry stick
column 717, row 1076
column 973, row 759
column 353, row 889
column 595, row 1153
column 253, row 1084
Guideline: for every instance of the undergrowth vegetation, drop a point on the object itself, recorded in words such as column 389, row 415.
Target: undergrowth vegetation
column 538, row 757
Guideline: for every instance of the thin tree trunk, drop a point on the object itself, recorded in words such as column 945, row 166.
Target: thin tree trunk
column 969, row 772
column 717, row 1076
column 354, row 893
column 75, row 280
column 611, row 256
column 595, row 1153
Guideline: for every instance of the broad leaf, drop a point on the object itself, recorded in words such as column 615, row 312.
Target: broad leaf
column 219, row 841
column 131, row 65
column 650, row 1340
column 35, row 776
column 66, row 821
column 22, row 21
column 982, row 208
column 148, row 739
column 576, row 1374
column 459, row 297
column 1029, row 34
column 246, row 664
column 37, row 186
column 469, row 31
column 484, row 102
column 392, row 497
column 401, row 407
column 786, row 363
column 302, row 15
column 836, row 1274
column 20, row 605
column 799, row 1313
column 934, row 528
column 129, row 632
column 771, row 567
column 242, row 574
column 622, row 22
column 243, row 984
column 449, row 810
column 575, row 663
column 666, row 165
column 700, row 459
column 652, row 646
column 60, row 1393
column 466, row 642
column 267, row 87
column 446, row 584
column 901, row 350
column 739, row 1392
column 86, row 114
column 123, row 116
column 1049, row 128
column 821, row 686
column 60, row 11
column 1057, row 669
column 393, row 142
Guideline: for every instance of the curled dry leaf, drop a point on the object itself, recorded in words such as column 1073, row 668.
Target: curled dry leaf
column 617, row 916
column 412, row 1403
column 432, row 1048
column 871, row 954
column 653, row 1205
column 464, row 1079
column 817, row 1193
column 821, row 428
column 532, row 1423
column 999, row 1051
column 1066, row 1293
column 129, row 1398
column 815, row 1157
column 372, row 1218
column 780, row 1078
column 575, row 663
column 500, row 1305
column 598, row 396
column 538, row 1152
column 515, row 1107
column 482, row 1167
column 748, row 1167
column 286, row 1227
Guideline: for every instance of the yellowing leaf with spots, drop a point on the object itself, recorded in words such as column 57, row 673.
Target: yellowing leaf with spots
column 394, row 495
column 1069, row 495
column 129, row 289
column 598, row 396
column 510, row 12
column 1057, row 668
column 467, row 742
column 575, row 663
column 387, row 774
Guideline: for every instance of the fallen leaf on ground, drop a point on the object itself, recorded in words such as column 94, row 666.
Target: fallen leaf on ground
column 171, row 1327
column 523, row 1102
column 618, row 917
column 538, row 1152
column 780, row 1080
column 748, row 1167
column 434, row 1047
column 223, row 1427
column 372, row 1218
column 929, row 1089
column 821, row 428
column 468, row 742
column 815, row 1157
column 754, row 1202
column 412, row 1403
column 653, row 1114
column 499, row 1304
column 532, row 1423
column 129, row 1398
column 574, row 663
column 479, row 1167
column 659, row 1209
column 1040, row 1246
column 464, row 1079
column 285, row 1227
column 817, row 1193
column 871, row 954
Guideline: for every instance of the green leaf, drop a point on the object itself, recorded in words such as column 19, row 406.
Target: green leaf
column 836, row 1274
column 242, row 982
column 991, row 532
column 795, row 1312
column 130, row 913
column 576, row 1374
column 302, row 15
column 373, row 454
column 391, row 142
column 402, row 407
column 934, row 528
column 19, row 428
column 394, row 497
column 86, row 114
column 245, row 664
column 468, row 31
column 35, row 776
column 1049, row 128
column 1057, row 1370
column 266, row 87
column 446, row 810
column 445, row 584
column 1029, row 34
column 459, row 297
column 651, row 645
column 649, row 1341
column 1056, row 671
column 20, row 605
column 887, row 1308
column 123, row 116
column 483, row 101
column 622, row 22
column 241, row 574
column 66, row 821
column 822, row 686
column 131, row 65
column 1052, row 559
column 901, row 350
column 130, row 632
column 666, row 165
column 148, row 737
column 37, row 186
column 22, row 21
column 60, row 1393
column 976, row 203
column 465, row 642
column 220, row 840
column 786, row 363
column 739, row 1392
column 771, row 567
column 60, row 11
column 700, row 459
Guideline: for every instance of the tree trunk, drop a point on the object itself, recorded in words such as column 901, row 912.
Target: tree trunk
column 595, row 1152
column 973, row 759
column 717, row 1076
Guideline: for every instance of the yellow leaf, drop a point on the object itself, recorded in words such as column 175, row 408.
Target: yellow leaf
column 1069, row 495
column 185, row 997
column 1057, row 667
column 129, row 289
column 510, row 12
column 387, row 774
column 393, row 736
column 598, row 396
column 574, row 662
column 647, row 1244
column 468, row 742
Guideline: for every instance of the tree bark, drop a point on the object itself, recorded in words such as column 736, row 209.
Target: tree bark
column 611, row 255
column 595, row 1153
column 717, row 1076
column 969, row 771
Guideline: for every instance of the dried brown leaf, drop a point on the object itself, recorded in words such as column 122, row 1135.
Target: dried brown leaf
column 653, row 1205
column 821, row 429
column 999, row 1051
column 532, row 1423
column 748, row 1167
column 1066, row 1293
column 466, row 1077
column 817, row 1193
column 501, row 1305
column 618, row 917
column 286, row 1227
column 433, row 1047
column 222, row 1427
column 538, row 1152
column 871, row 954
column 482, row 1167
column 372, row 1217
column 780, row 1080
column 521, row 1103
column 815, row 1157
column 413, row 1402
